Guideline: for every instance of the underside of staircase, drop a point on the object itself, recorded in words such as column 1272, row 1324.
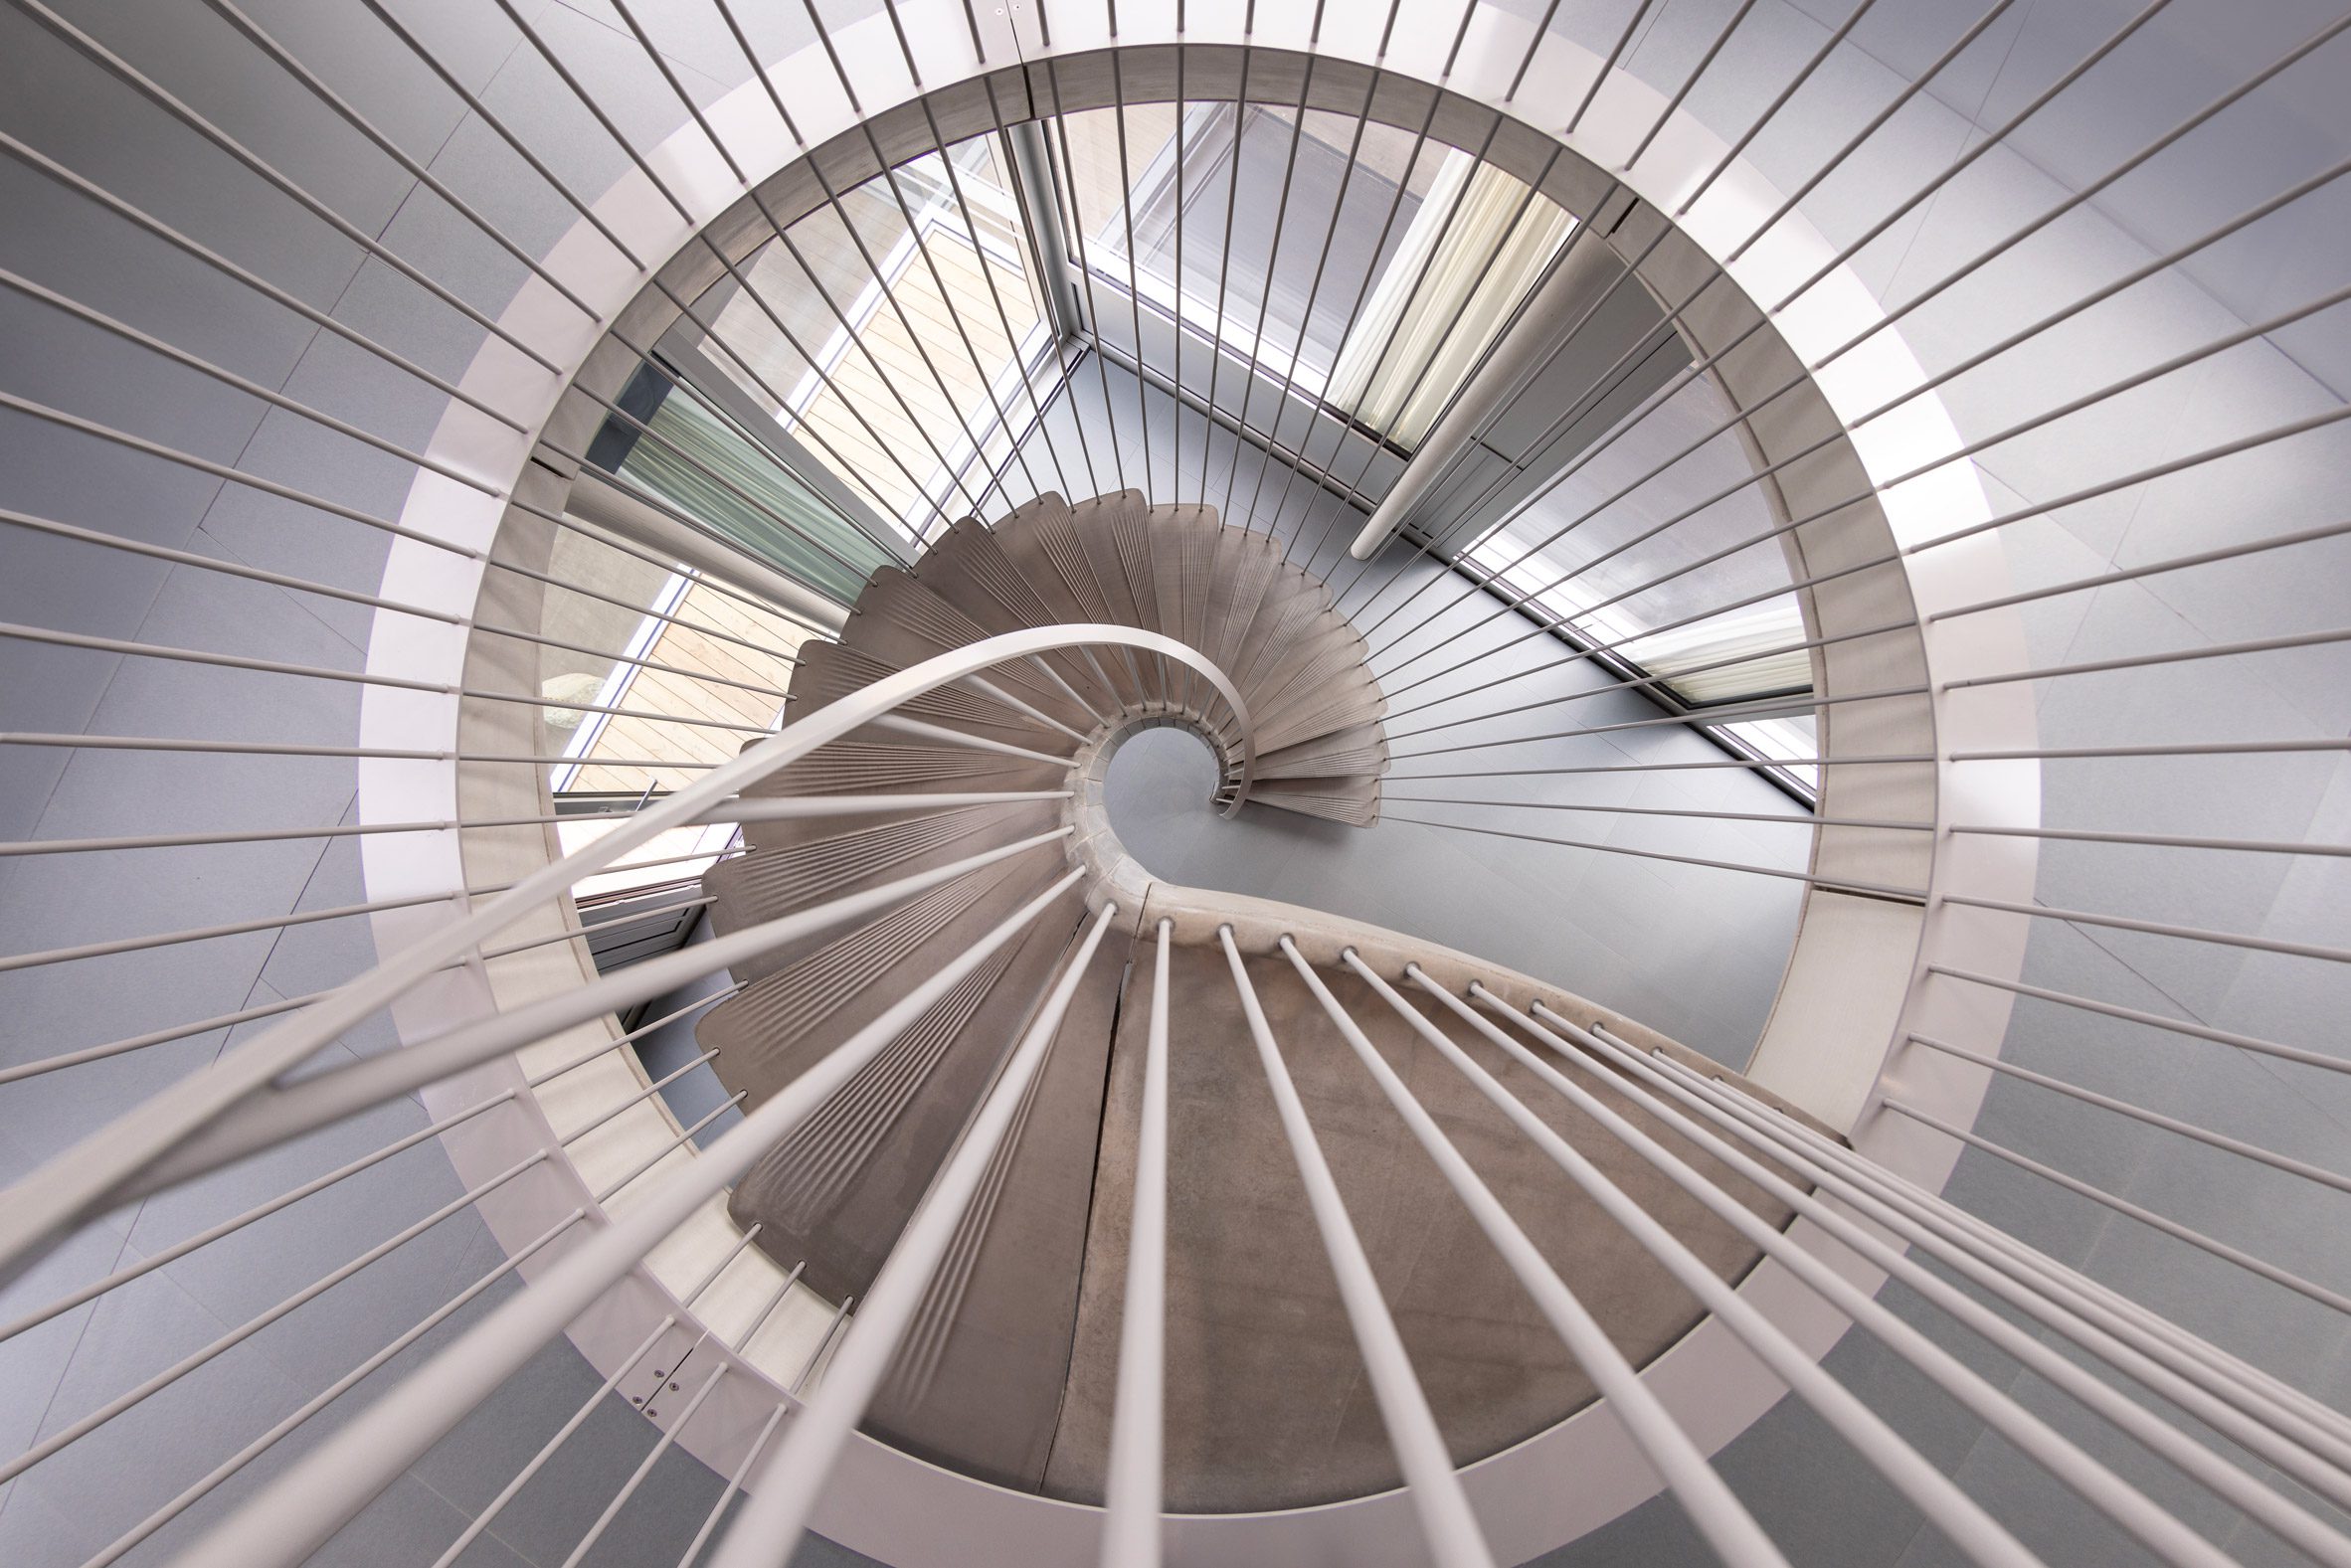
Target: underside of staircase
column 1009, row 1373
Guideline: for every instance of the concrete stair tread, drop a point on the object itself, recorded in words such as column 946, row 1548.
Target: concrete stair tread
column 1357, row 749
column 1354, row 801
column 990, row 1400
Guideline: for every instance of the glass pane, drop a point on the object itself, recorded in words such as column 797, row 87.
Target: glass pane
column 1618, row 553
column 895, row 351
column 1780, row 739
column 1476, row 245
column 1255, row 285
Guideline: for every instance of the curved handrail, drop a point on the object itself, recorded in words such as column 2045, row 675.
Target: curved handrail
column 76, row 1184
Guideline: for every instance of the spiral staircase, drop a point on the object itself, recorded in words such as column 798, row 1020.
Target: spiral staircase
column 1757, row 979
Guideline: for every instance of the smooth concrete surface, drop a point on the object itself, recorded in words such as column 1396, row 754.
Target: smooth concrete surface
column 1266, row 1403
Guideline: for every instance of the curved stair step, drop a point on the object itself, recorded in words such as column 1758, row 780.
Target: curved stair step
column 903, row 620
column 793, row 864
column 889, row 768
column 1359, row 748
column 830, row 671
column 1354, row 801
column 970, row 568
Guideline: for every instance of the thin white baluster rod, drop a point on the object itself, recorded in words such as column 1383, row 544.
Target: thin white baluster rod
column 1454, row 1538
column 1131, row 1527
column 765, row 1533
column 1720, row 1517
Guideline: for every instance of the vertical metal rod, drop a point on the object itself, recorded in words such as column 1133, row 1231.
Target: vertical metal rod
column 1659, row 686
column 677, row 1423
column 1428, row 366
column 504, row 132
column 2303, row 426
column 2214, row 1402
column 1118, row 110
column 661, row 64
column 748, row 288
column 726, row 482
column 1673, row 104
column 2197, row 558
column 326, row 320
column 579, row 1417
column 75, row 1429
column 2009, row 241
column 588, row 1407
column 1720, row 1517
column 2088, row 191
column 650, row 360
column 358, row 122
column 1040, row 225
column 840, row 1315
column 770, row 1526
column 1131, row 1526
column 1454, row 1539
column 2064, row 1461
column 1207, row 423
column 1272, row 257
column 599, row 1053
column 1600, row 76
column 2166, row 1536
column 1070, row 208
column 66, row 1188
column 726, row 1493
column 1320, row 403
column 644, row 1467
column 2157, row 927
column 1818, row 515
column 596, row 110
column 1314, row 290
column 2303, row 1168
column 888, row 178
column 881, row 284
column 148, row 88
column 1232, row 193
column 1004, row 316
column 759, row 68
column 204, row 1238
column 2322, row 1432
column 848, row 471
column 129, row 1539
column 1684, row 378
column 245, row 384
column 725, row 261
column 2325, row 1297
column 1960, row 1518
column 1374, row 442
column 2182, row 1026
column 1569, row 414
column 732, row 1102
column 326, row 1487
column 2016, row 1256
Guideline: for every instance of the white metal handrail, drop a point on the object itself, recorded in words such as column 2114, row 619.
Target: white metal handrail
column 76, row 1184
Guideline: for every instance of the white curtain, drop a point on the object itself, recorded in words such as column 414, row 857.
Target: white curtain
column 1770, row 626
column 1447, row 322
